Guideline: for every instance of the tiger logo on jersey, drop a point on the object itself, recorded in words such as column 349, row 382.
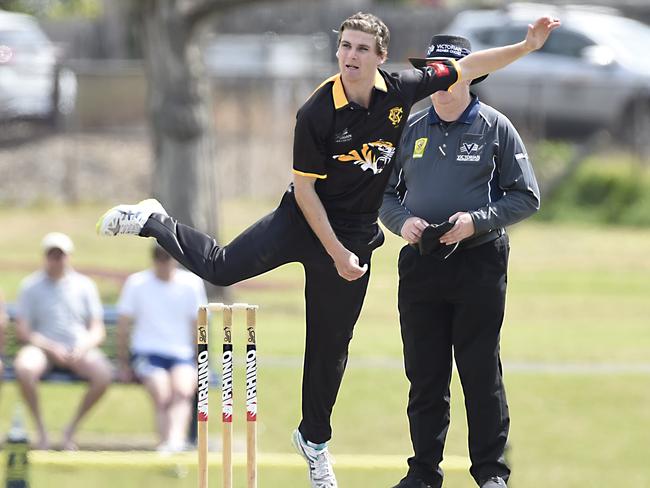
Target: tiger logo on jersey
column 374, row 156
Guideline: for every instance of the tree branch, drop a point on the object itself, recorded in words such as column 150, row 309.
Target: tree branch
column 203, row 9
column 200, row 11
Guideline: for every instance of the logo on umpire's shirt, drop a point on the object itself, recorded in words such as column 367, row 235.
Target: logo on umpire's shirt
column 419, row 147
column 470, row 151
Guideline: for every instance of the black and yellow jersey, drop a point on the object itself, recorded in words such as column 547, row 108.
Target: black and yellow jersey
column 350, row 148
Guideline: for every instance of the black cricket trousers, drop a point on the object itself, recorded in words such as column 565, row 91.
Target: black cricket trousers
column 332, row 303
column 455, row 304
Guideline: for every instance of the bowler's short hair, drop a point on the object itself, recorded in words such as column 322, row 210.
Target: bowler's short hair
column 370, row 24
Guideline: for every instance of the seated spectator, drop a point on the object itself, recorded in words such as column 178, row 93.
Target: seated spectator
column 162, row 303
column 59, row 317
column 3, row 326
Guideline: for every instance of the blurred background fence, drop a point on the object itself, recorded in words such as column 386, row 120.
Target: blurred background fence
column 263, row 63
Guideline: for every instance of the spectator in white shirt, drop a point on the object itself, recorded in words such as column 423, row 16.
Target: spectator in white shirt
column 3, row 325
column 160, row 306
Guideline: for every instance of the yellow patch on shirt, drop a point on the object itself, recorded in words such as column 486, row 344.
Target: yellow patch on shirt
column 419, row 147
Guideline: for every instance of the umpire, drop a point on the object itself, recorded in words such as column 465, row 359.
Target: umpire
column 459, row 161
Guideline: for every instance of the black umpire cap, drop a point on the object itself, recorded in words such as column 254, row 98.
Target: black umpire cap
column 444, row 46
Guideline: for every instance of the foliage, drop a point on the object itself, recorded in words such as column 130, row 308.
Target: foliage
column 54, row 8
column 608, row 189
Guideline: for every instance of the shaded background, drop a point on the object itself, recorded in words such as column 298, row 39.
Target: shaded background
column 262, row 62
column 577, row 335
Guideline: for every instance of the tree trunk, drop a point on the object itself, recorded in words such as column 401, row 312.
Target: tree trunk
column 180, row 110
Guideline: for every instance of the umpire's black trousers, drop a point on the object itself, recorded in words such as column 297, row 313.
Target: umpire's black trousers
column 455, row 304
column 332, row 303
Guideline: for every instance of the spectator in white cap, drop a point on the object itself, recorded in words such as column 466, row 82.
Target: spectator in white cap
column 60, row 321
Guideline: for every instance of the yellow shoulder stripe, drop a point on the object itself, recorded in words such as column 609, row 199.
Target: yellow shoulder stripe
column 338, row 93
column 380, row 83
column 310, row 175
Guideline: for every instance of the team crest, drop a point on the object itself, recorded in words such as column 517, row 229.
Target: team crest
column 419, row 147
column 395, row 115
column 374, row 156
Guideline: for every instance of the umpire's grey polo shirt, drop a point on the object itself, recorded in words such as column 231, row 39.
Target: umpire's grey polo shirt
column 477, row 164
column 59, row 310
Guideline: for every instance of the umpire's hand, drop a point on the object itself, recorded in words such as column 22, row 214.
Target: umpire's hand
column 412, row 229
column 462, row 229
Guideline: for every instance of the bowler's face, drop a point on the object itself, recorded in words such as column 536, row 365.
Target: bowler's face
column 358, row 57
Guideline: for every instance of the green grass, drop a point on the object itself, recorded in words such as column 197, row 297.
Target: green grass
column 577, row 294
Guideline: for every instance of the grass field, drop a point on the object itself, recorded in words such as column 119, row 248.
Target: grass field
column 575, row 346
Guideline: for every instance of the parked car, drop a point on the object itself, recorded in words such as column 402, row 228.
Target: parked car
column 592, row 73
column 33, row 84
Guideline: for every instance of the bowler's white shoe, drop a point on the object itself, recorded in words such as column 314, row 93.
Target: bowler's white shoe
column 128, row 219
column 321, row 473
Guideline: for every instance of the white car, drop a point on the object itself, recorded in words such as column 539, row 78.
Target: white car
column 592, row 73
column 33, row 85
